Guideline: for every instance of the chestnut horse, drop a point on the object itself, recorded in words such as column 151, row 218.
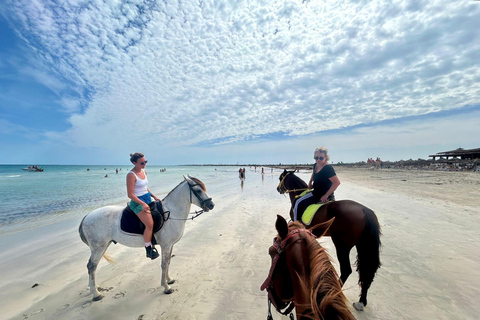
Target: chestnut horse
column 302, row 275
column 354, row 225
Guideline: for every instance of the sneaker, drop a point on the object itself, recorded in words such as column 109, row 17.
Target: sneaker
column 152, row 253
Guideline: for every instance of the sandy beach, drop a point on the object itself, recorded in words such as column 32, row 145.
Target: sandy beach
column 430, row 256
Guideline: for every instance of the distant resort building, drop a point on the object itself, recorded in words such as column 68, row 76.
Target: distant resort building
column 459, row 154
column 463, row 159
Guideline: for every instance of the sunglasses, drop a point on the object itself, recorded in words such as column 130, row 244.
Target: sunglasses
column 142, row 163
column 318, row 158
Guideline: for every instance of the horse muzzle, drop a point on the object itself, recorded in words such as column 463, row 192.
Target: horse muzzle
column 208, row 205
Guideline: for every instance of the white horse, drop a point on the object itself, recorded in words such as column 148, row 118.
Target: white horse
column 101, row 227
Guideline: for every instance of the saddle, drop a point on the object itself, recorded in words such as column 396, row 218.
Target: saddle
column 131, row 223
column 309, row 213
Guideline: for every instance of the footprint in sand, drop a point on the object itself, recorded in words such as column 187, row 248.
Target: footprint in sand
column 37, row 312
column 119, row 295
column 65, row 306
column 151, row 290
column 86, row 304
column 105, row 289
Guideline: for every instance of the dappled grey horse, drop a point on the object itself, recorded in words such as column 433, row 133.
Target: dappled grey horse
column 101, row 227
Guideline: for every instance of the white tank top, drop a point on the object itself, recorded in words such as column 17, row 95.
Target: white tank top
column 140, row 185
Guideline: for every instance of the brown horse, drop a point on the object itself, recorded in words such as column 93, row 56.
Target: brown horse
column 354, row 225
column 302, row 275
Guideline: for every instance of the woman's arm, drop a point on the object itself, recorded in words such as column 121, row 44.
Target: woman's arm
column 335, row 183
column 310, row 183
column 153, row 196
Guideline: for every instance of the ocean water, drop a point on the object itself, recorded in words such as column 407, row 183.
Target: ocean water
column 31, row 199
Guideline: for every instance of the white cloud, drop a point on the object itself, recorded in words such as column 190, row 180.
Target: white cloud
column 192, row 72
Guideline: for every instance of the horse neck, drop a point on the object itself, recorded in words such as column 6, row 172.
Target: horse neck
column 178, row 201
column 294, row 183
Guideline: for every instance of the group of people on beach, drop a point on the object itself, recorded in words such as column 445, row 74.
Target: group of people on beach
column 323, row 183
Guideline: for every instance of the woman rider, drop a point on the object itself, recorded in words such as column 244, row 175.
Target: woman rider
column 141, row 197
column 324, row 182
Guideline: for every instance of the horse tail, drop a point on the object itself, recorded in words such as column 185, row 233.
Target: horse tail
column 109, row 259
column 80, row 231
column 368, row 249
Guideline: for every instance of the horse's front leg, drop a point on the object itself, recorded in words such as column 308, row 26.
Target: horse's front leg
column 166, row 257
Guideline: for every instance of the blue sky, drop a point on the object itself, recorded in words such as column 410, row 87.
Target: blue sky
column 89, row 82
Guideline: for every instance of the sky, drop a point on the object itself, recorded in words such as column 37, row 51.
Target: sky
column 237, row 82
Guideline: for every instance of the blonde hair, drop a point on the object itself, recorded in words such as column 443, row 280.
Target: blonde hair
column 322, row 150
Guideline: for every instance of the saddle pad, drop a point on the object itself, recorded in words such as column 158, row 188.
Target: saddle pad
column 309, row 213
column 303, row 193
column 131, row 223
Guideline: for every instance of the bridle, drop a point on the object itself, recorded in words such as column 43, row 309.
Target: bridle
column 280, row 247
column 281, row 185
column 202, row 202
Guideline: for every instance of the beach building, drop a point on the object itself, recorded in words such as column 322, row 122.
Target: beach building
column 466, row 159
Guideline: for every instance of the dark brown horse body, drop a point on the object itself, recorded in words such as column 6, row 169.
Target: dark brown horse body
column 303, row 276
column 354, row 225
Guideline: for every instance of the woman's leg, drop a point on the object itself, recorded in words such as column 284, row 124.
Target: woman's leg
column 146, row 217
column 301, row 204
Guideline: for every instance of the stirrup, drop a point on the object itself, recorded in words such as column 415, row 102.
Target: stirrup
column 152, row 253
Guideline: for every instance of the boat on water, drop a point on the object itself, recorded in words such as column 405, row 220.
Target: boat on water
column 33, row 169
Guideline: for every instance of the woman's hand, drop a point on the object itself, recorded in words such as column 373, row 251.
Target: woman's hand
column 145, row 207
column 310, row 185
column 324, row 198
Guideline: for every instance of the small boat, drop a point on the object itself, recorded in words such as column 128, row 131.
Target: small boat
column 33, row 169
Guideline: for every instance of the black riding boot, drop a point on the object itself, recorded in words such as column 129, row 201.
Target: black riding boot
column 152, row 253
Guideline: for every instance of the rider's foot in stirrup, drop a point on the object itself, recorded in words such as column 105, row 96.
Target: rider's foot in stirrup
column 152, row 253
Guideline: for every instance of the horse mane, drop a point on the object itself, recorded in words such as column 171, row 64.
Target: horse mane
column 196, row 180
column 299, row 183
column 326, row 295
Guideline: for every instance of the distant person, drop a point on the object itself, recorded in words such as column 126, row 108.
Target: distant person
column 141, row 197
column 106, row 176
column 324, row 182
column 263, row 171
column 116, row 170
column 244, row 174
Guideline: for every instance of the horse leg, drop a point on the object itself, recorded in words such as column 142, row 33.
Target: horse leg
column 166, row 256
column 169, row 280
column 343, row 255
column 92, row 264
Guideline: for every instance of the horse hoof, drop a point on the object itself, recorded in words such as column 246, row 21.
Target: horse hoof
column 358, row 306
column 169, row 291
column 97, row 298
column 171, row 281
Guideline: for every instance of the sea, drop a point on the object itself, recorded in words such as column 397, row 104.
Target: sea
column 60, row 192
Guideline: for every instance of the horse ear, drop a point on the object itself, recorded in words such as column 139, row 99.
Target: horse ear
column 188, row 179
column 281, row 226
column 284, row 170
column 320, row 229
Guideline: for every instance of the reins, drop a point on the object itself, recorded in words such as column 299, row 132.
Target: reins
column 202, row 202
column 281, row 186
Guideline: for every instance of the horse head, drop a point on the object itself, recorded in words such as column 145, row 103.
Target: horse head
column 281, row 186
column 201, row 198
column 290, row 183
column 288, row 281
